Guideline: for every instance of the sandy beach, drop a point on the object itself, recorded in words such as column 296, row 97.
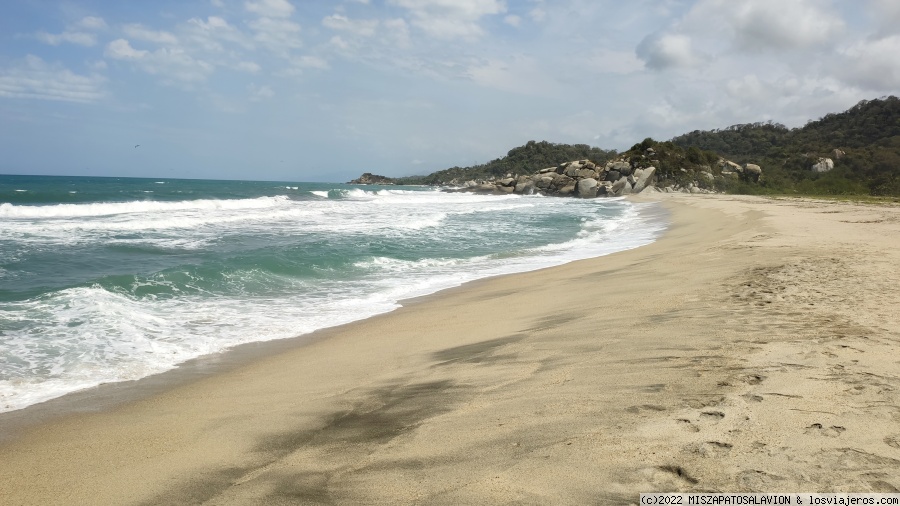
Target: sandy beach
column 755, row 347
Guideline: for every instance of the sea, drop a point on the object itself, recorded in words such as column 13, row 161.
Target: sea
column 115, row 279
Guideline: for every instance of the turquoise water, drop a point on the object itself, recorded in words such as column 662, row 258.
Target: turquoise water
column 112, row 279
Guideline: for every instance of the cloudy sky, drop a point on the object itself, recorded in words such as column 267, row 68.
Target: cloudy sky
column 315, row 90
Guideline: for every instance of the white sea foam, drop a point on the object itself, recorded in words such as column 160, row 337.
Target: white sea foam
column 144, row 206
column 91, row 335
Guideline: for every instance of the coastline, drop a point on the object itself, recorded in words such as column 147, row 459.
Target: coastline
column 748, row 349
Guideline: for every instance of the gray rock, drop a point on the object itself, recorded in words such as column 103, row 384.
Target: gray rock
column 561, row 181
column 505, row 189
column 507, row 181
column 567, row 190
column 613, row 176
column 622, row 167
column 644, row 180
column 729, row 165
column 548, row 169
column 587, row 188
column 586, row 173
column 526, row 188
column 837, row 154
column 619, row 184
column 823, row 165
column 544, row 182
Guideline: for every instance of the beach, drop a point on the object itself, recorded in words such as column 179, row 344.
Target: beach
column 751, row 348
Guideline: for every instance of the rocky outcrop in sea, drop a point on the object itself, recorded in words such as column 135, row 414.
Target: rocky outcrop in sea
column 369, row 178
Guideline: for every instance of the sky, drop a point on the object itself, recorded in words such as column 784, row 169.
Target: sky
column 314, row 90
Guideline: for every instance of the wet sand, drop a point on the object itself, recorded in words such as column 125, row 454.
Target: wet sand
column 755, row 347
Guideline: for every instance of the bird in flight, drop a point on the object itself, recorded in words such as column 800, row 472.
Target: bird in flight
column 136, row 145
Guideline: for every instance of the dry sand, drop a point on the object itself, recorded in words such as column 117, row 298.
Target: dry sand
column 755, row 347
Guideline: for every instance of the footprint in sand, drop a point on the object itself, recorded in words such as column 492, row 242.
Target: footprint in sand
column 710, row 449
column 687, row 425
column 817, row 429
column 893, row 441
column 712, row 416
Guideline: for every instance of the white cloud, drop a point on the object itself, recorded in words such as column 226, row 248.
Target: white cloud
column 120, row 49
column 396, row 32
column 79, row 38
column 362, row 27
column 512, row 20
column 537, row 14
column 873, row 64
column 299, row 64
column 450, row 19
column 248, row 66
column 278, row 35
column 91, row 23
column 260, row 93
column 172, row 64
column 778, row 24
column 37, row 79
column 79, row 33
column 663, row 51
column 270, row 8
column 213, row 34
column 139, row 32
column 609, row 61
column 886, row 14
column 520, row 75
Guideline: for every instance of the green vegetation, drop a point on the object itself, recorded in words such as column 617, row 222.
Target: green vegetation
column 526, row 159
column 863, row 142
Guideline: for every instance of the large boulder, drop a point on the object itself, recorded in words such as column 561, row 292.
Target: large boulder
column 567, row 190
column 525, row 188
column 587, row 188
column 621, row 166
column 561, row 181
column 752, row 171
column 823, row 165
column 585, row 172
column 613, row 175
column 508, row 181
column 644, row 179
column 731, row 166
column 618, row 185
column 544, row 182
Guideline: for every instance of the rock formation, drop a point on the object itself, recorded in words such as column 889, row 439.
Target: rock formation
column 369, row 178
column 823, row 165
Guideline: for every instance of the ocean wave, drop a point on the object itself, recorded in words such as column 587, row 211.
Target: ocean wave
column 139, row 206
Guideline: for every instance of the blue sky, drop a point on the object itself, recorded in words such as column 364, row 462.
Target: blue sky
column 309, row 90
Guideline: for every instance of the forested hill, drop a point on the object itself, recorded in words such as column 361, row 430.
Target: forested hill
column 526, row 159
column 856, row 152
column 862, row 143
